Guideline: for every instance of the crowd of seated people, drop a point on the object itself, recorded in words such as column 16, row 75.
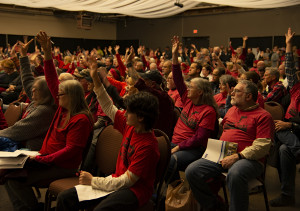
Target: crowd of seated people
column 84, row 90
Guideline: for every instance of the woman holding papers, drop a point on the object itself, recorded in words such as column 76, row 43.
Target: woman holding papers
column 136, row 165
column 63, row 146
column 197, row 121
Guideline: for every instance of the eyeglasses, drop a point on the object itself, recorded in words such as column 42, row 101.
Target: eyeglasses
column 238, row 91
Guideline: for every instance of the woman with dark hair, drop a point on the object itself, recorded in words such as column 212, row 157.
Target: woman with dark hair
column 206, row 72
column 63, row 146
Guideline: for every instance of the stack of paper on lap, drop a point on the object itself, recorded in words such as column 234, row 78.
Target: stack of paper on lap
column 216, row 150
column 16, row 159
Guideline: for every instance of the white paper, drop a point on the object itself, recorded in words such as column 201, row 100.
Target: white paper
column 214, row 150
column 16, row 159
column 16, row 153
column 86, row 192
column 13, row 162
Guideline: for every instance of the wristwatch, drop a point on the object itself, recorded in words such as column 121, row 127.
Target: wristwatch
column 240, row 156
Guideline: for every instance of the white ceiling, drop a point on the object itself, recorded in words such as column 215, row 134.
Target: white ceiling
column 144, row 8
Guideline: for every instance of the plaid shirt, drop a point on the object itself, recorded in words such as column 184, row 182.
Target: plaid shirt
column 275, row 93
column 290, row 70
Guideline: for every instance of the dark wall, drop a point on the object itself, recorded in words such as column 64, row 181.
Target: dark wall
column 219, row 27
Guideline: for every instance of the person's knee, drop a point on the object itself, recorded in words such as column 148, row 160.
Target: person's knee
column 65, row 195
column 192, row 174
column 283, row 149
column 233, row 175
column 189, row 172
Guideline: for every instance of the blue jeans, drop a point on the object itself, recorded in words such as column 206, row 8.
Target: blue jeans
column 287, row 161
column 184, row 158
column 198, row 172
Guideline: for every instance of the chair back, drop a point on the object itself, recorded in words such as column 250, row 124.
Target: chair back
column 163, row 163
column 275, row 109
column 107, row 150
column 13, row 113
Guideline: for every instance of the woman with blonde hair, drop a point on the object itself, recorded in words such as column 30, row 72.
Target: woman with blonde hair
column 64, row 144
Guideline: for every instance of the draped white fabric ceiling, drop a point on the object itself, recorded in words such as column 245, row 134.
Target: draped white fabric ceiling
column 143, row 8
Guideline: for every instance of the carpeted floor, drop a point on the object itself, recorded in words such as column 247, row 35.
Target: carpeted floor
column 256, row 201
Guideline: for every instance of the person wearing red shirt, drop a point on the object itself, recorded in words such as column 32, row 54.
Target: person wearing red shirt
column 173, row 93
column 66, row 139
column 252, row 128
column 240, row 53
column 225, row 80
column 135, row 172
column 288, row 132
column 196, row 122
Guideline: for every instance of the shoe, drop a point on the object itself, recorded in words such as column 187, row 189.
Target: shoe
column 283, row 201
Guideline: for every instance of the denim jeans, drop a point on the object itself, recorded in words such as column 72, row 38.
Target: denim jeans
column 184, row 158
column 198, row 172
column 287, row 160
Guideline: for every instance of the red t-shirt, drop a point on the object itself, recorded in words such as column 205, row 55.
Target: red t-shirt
column 139, row 154
column 221, row 99
column 243, row 127
column 64, row 146
column 294, row 106
column 176, row 97
column 192, row 117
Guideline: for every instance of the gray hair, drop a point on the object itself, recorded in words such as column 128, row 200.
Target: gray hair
column 250, row 88
column 207, row 96
column 228, row 79
column 46, row 97
column 274, row 71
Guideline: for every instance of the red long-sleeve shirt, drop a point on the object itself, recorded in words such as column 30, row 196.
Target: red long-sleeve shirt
column 64, row 143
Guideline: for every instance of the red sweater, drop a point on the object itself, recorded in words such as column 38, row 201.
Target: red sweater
column 63, row 146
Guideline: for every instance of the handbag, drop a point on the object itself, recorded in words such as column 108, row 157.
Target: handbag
column 179, row 196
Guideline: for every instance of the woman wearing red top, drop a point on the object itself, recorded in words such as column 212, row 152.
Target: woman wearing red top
column 63, row 146
column 196, row 122
column 222, row 96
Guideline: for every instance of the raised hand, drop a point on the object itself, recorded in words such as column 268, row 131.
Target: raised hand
column 245, row 38
column 117, row 47
column 45, row 42
column 102, row 73
column 289, row 35
column 13, row 49
column 175, row 44
column 131, row 55
column 24, row 47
